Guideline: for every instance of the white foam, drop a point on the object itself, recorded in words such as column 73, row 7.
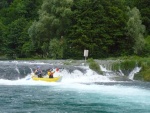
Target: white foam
column 133, row 72
column 74, row 77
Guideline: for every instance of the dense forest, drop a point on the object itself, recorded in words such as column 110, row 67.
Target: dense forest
column 62, row 29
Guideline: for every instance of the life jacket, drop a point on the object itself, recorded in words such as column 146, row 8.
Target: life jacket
column 38, row 71
column 49, row 73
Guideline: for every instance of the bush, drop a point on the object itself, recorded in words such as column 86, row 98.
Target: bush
column 146, row 75
column 145, row 71
column 94, row 66
column 124, row 65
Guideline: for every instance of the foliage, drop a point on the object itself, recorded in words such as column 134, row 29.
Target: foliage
column 53, row 20
column 56, row 49
column 2, row 33
column 15, row 40
column 128, row 63
column 146, row 75
column 94, row 66
column 136, row 30
column 31, row 28
column 124, row 65
column 144, row 7
column 145, row 71
column 146, row 51
column 15, row 37
column 98, row 26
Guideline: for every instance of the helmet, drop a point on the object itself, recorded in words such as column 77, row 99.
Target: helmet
column 38, row 66
column 57, row 69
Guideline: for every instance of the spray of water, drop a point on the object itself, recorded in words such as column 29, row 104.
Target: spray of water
column 68, row 77
column 133, row 72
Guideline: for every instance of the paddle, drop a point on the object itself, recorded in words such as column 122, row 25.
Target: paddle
column 28, row 77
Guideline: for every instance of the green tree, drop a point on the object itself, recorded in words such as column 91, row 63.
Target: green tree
column 53, row 22
column 20, row 8
column 14, row 11
column 2, row 36
column 146, row 51
column 3, row 4
column 15, row 38
column 32, row 7
column 16, row 18
column 99, row 26
column 136, row 30
column 27, row 48
column 144, row 7
column 56, row 49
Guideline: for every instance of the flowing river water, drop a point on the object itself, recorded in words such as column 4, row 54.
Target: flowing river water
column 80, row 91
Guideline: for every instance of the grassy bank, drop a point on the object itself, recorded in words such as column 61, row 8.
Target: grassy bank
column 128, row 63
column 94, row 66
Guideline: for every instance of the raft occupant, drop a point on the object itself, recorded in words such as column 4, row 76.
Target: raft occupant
column 50, row 73
column 38, row 72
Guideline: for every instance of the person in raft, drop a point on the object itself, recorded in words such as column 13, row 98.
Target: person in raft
column 50, row 73
column 38, row 72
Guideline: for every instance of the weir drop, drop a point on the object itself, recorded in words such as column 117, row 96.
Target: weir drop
column 74, row 72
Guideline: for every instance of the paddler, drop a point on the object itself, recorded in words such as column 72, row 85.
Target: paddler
column 38, row 72
column 50, row 73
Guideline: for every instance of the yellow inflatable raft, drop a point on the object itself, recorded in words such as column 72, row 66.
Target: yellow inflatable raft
column 46, row 79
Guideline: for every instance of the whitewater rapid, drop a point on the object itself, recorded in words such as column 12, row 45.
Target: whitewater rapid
column 19, row 72
column 68, row 78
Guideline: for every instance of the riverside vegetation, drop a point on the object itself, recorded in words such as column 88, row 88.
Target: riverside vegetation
column 121, row 63
column 129, row 63
column 62, row 29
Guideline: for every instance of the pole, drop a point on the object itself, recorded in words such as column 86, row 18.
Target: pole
column 85, row 59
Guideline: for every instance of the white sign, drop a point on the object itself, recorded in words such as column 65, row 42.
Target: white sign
column 86, row 52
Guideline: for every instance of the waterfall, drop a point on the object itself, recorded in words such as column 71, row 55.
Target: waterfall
column 17, row 70
column 13, row 70
column 133, row 72
column 122, row 74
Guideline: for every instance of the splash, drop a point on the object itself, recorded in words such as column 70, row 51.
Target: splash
column 75, row 76
column 133, row 72
column 74, row 73
column 120, row 73
column 89, row 77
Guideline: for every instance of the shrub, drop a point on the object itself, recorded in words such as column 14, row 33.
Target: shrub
column 94, row 66
column 145, row 71
column 124, row 65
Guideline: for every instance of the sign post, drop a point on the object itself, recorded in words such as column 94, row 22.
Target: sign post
column 86, row 52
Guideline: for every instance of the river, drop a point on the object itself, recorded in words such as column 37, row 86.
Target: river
column 80, row 91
